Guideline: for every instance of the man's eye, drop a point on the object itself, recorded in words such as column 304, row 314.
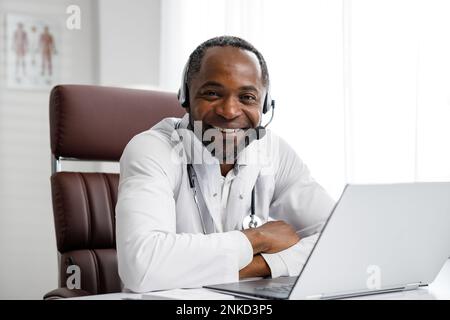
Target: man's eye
column 248, row 98
column 211, row 94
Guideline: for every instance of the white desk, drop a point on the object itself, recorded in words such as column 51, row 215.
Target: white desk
column 439, row 289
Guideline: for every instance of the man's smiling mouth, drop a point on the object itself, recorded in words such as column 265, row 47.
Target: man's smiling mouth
column 228, row 130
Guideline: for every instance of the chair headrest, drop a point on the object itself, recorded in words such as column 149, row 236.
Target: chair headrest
column 96, row 123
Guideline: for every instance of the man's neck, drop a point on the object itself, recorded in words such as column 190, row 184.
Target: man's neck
column 225, row 168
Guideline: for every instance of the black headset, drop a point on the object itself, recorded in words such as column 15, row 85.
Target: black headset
column 183, row 93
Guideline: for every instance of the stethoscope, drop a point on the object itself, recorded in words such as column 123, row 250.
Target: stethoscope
column 249, row 221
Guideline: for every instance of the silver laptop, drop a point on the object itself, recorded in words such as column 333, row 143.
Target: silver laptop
column 379, row 238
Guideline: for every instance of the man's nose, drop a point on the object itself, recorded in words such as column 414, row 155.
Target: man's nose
column 229, row 109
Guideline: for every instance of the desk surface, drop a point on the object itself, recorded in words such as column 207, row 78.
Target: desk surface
column 439, row 289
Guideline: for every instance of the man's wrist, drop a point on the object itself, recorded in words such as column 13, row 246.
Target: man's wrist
column 256, row 239
column 257, row 268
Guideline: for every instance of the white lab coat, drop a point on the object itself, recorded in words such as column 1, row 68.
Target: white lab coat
column 160, row 239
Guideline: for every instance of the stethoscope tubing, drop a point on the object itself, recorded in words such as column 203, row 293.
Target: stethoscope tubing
column 253, row 219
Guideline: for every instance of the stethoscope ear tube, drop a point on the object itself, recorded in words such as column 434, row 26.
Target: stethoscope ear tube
column 252, row 221
column 252, row 206
column 191, row 176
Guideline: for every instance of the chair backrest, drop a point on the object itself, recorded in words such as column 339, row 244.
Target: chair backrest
column 95, row 123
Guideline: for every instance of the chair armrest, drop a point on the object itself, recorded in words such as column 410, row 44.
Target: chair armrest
column 64, row 292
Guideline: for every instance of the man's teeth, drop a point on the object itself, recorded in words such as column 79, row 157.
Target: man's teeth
column 227, row 130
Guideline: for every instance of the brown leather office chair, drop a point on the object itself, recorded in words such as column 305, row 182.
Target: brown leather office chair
column 93, row 123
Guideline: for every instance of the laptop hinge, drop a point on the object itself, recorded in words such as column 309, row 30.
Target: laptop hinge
column 314, row 297
column 412, row 286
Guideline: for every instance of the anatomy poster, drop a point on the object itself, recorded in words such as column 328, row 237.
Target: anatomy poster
column 32, row 57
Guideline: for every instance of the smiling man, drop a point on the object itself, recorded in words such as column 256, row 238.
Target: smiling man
column 214, row 197
column 227, row 95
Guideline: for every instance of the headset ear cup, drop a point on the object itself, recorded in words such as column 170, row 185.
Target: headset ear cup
column 268, row 103
column 183, row 96
column 179, row 97
column 183, row 92
column 265, row 104
column 185, row 103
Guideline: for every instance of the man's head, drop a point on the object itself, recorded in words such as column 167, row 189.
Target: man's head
column 227, row 81
column 195, row 59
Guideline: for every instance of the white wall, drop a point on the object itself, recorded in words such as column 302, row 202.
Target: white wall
column 400, row 90
column 28, row 267
column 129, row 42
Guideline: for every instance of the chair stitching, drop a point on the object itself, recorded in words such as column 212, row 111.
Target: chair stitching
column 97, row 274
column 88, row 208
column 60, row 210
column 59, row 116
column 108, row 193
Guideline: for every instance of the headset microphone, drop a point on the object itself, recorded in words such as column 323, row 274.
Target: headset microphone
column 261, row 130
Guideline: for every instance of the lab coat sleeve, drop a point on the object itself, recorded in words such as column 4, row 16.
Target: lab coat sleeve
column 151, row 255
column 300, row 201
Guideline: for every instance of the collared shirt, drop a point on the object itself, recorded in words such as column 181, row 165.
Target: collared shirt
column 225, row 188
column 160, row 239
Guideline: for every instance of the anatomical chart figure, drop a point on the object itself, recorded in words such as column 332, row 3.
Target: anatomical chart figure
column 47, row 49
column 20, row 49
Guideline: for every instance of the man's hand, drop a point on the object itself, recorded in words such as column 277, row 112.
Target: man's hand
column 272, row 237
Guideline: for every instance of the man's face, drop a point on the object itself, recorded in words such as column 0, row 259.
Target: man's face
column 228, row 92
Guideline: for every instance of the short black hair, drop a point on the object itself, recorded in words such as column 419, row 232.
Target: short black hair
column 196, row 57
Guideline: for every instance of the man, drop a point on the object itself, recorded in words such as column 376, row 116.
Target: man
column 182, row 204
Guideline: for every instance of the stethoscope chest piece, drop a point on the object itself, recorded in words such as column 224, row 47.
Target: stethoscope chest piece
column 251, row 221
